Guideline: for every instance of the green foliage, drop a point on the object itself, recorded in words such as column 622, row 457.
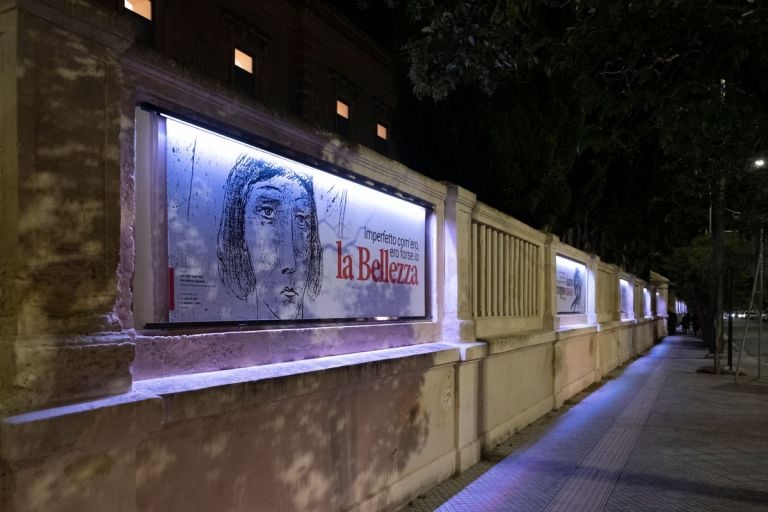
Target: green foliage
column 690, row 266
column 609, row 123
column 467, row 42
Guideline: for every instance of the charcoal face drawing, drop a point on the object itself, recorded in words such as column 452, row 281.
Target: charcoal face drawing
column 268, row 244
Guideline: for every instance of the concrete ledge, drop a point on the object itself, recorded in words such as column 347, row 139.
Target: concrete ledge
column 50, row 370
column 576, row 330
column 609, row 326
column 155, row 402
column 517, row 341
column 569, row 321
column 171, row 353
column 470, row 351
column 98, row 422
column 205, row 394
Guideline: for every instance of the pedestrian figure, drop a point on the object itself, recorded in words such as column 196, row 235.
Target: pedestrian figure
column 686, row 322
column 695, row 324
column 671, row 321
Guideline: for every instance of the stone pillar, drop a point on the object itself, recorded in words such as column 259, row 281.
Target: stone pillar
column 458, row 323
column 616, row 312
column 468, row 398
column 9, row 155
column 61, row 216
column 660, row 303
column 592, row 272
column 550, row 320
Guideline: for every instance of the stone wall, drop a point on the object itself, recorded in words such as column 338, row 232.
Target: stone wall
column 100, row 413
column 62, row 184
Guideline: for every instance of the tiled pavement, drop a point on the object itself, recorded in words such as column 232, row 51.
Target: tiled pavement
column 656, row 436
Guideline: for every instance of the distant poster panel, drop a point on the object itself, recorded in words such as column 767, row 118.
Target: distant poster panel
column 647, row 302
column 661, row 304
column 625, row 305
column 255, row 236
column 571, row 296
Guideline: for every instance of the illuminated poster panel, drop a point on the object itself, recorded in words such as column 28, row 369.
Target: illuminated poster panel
column 647, row 302
column 255, row 236
column 625, row 305
column 571, row 293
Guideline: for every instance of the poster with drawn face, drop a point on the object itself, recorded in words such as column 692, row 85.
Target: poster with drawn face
column 255, row 236
column 570, row 279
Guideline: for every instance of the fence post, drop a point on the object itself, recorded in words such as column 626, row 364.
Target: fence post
column 592, row 289
column 458, row 321
column 550, row 320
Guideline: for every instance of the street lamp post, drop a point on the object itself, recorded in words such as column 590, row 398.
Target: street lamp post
column 759, row 275
column 759, row 163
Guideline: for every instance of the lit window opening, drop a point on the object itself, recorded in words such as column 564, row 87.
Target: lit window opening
column 381, row 131
column 243, row 61
column 141, row 7
column 342, row 109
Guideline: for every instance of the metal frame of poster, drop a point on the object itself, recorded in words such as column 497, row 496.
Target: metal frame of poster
column 571, row 279
column 255, row 236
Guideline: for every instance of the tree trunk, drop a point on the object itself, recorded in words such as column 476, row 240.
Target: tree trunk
column 714, row 318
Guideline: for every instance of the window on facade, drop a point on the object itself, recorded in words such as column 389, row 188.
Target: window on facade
column 243, row 61
column 381, row 131
column 342, row 118
column 382, row 136
column 342, row 109
column 141, row 7
column 242, row 70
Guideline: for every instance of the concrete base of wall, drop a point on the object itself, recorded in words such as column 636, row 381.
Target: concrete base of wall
column 510, row 427
column 361, row 432
column 393, row 496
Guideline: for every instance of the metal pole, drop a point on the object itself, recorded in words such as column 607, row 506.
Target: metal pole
column 730, row 321
column 760, row 307
column 751, row 303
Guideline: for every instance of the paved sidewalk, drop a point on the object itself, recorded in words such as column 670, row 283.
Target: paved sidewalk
column 656, row 436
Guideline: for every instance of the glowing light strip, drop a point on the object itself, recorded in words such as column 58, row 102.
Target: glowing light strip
column 367, row 186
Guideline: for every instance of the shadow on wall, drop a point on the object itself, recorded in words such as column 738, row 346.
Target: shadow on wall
column 68, row 186
column 6, row 488
column 68, row 215
column 325, row 451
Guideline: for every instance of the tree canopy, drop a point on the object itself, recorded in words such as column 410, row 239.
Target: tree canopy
column 608, row 123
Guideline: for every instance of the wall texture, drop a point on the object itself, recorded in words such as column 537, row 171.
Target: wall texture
column 102, row 414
